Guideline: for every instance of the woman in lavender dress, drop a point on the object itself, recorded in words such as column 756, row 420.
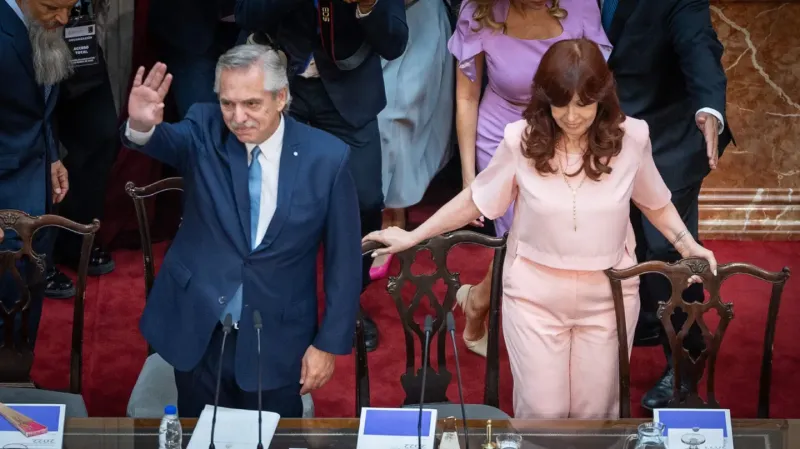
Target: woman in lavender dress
column 507, row 38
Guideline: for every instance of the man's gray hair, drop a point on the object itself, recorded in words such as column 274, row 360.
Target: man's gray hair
column 246, row 56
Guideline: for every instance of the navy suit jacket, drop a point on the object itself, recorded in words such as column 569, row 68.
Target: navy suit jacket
column 667, row 61
column 187, row 26
column 210, row 255
column 358, row 94
column 26, row 151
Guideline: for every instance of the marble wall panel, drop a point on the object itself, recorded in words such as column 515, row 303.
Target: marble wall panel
column 755, row 192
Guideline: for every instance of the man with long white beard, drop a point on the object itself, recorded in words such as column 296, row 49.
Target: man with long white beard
column 35, row 58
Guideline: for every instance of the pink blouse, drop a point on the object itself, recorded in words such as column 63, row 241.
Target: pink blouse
column 543, row 230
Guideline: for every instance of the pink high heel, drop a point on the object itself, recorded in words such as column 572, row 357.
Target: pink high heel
column 382, row 271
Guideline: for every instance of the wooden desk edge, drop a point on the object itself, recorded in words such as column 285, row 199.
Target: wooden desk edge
column 791, row 426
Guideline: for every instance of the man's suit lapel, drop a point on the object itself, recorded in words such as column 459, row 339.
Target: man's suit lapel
column 287, row 174
column 237, row 158
column 624, row 10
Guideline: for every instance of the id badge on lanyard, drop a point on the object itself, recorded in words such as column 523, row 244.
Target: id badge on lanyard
column 81, row 35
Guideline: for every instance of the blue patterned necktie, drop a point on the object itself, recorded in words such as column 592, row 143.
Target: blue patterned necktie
column 234, row 307
column 607, row 15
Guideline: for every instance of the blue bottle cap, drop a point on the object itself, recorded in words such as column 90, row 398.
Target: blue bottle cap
column 170, row 410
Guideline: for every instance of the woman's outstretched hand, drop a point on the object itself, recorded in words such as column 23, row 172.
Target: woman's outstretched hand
column 395, row 239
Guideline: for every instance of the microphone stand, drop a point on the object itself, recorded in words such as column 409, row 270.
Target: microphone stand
column 227, row 325
column 451, row 329
column 258, row 324
column 428, row 330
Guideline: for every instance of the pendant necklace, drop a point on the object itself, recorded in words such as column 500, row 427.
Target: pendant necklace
column 574, row 191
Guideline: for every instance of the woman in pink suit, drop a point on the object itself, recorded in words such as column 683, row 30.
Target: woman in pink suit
column 571, row 168
column 504, row 39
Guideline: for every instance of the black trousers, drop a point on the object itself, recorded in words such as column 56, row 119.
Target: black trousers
column 196, row 388
column 87, row 125
column 652, row 245
column 312, row 105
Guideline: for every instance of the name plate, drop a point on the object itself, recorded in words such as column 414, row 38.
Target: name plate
column 688, row 428
column 396, row 428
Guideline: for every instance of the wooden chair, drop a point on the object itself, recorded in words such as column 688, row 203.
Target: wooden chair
column 155, row 386
column 438, row 378
column 16, row 350
column 683, row 363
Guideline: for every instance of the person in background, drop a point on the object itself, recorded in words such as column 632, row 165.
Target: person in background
column 263, row 193
column 506, row 39
column 667, row 62
column 32, row 178
column 337, row 84
column 416, row 125
column 87, row 127
column 573, row 165
column 190, row 36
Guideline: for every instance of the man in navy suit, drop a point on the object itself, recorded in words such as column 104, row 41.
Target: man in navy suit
column 35, row 59
column 335, row 49
column 262, row 194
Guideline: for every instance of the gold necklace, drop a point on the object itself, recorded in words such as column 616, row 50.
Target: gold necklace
column 574, row 193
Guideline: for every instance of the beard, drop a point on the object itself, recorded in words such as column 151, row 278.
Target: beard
column 52, row 58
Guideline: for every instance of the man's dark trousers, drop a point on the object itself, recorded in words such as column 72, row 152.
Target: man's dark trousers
column 655, row 288
column 88, row 127
column 196, row 388
column 311, row 104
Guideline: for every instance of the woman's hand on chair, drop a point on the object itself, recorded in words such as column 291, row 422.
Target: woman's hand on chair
column 395, row 239
column 694, row 249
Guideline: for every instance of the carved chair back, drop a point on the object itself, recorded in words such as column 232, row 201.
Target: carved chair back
column 689, row 368
column 20, row 264
column 438, row 378
column 139, row 196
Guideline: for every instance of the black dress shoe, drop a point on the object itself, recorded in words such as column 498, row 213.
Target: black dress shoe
column 370, row 334
column 58, row 285
column 660, row 395
column 100, row 263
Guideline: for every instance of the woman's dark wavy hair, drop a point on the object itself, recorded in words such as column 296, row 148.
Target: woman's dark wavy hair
column 573, row 67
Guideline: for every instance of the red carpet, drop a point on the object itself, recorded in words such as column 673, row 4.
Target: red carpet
column 114, row 350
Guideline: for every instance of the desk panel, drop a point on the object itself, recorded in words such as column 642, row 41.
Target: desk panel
column 102, row 433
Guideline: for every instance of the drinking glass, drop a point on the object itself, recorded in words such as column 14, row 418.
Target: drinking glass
column 509, row 441
column 648, row 436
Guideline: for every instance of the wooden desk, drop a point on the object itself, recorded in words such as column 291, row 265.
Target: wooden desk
column 100, row 433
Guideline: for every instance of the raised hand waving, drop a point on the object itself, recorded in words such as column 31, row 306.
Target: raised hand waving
column 146, row 101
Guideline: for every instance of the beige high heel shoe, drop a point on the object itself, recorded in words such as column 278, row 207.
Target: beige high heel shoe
column 481, row 345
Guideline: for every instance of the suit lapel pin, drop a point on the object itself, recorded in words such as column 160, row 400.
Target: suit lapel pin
column 295, row 153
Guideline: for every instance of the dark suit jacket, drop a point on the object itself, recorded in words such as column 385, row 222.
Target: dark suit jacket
column 358, row 94
column 667, row 63
column 187, row 26
column 210, row 256
column 26, row 151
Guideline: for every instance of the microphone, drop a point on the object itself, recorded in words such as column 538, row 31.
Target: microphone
column 451, row 329
column 258, row 324
column 428, row 331
column 227, row 325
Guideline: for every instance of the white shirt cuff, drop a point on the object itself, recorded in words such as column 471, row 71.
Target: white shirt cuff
column 138, row 137
column 359, row 15
column 716, row 114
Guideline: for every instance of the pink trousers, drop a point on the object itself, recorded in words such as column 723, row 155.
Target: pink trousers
column 561, row 333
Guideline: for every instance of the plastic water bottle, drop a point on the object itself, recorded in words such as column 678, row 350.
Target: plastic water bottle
column 170, row 433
